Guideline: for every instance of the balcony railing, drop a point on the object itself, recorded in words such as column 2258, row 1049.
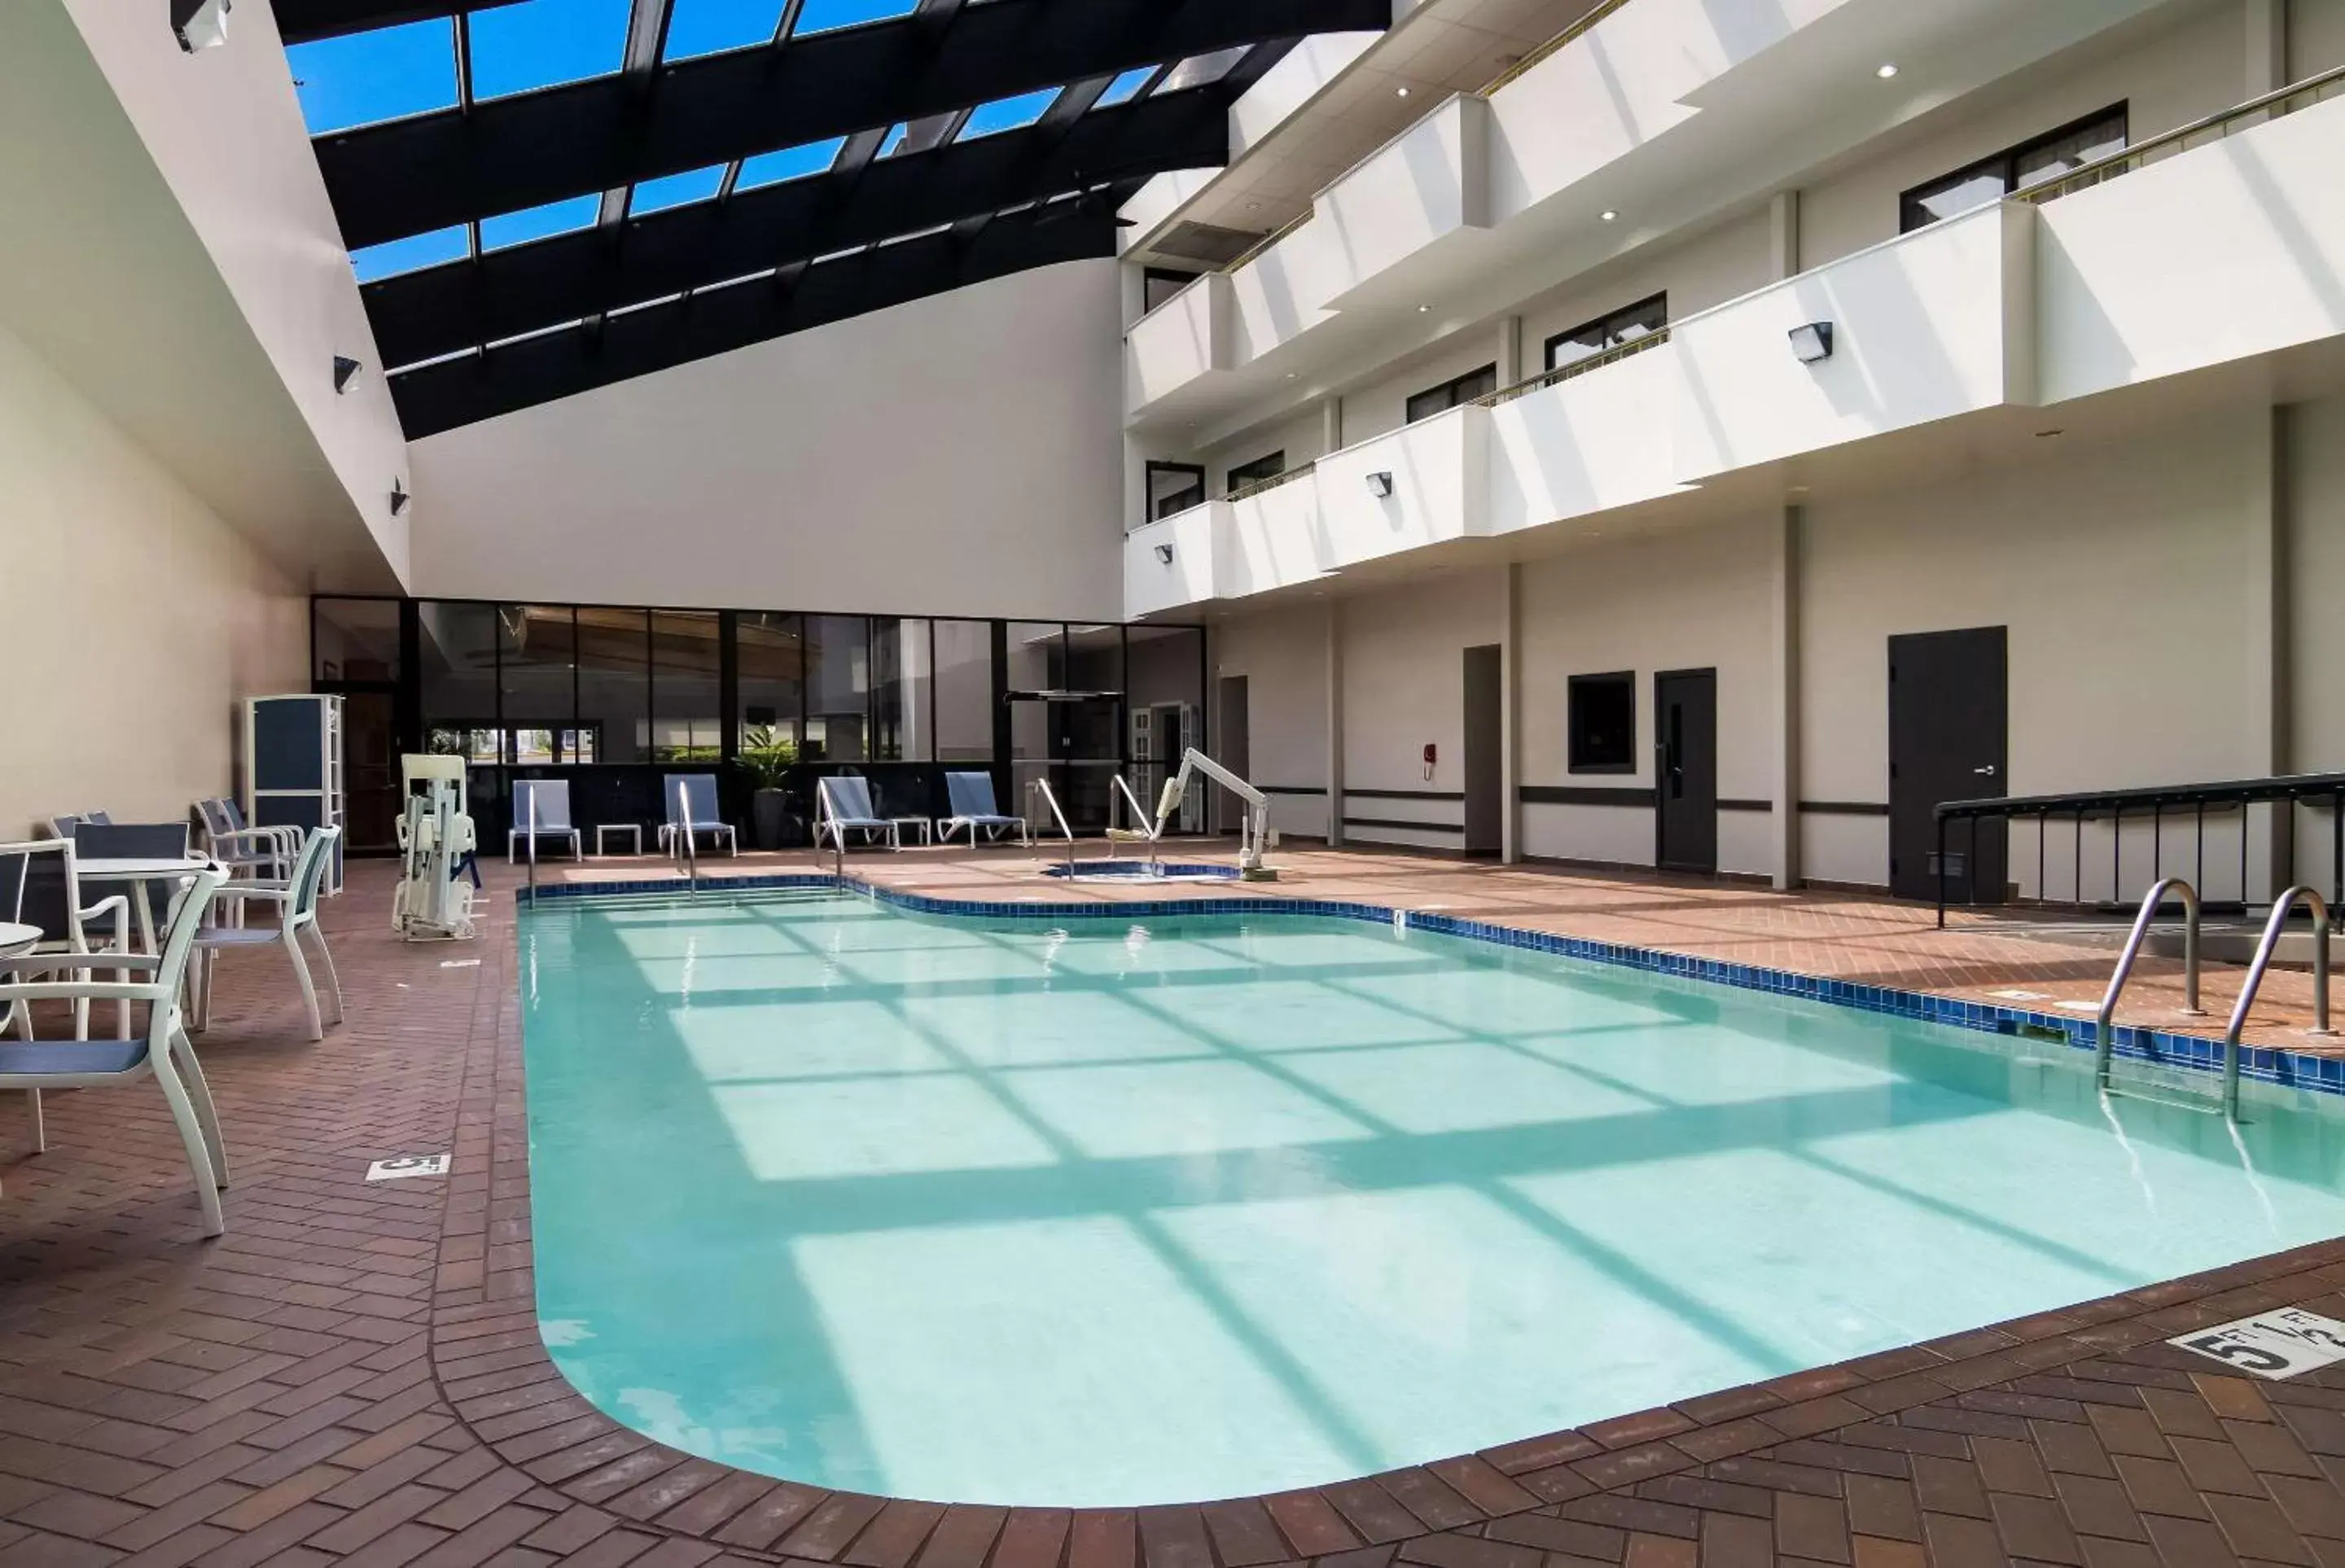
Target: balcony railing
column 1593, row 16
column 1253, row 251
column 1272, row 482
column 2182, row 138
column 1611, row 356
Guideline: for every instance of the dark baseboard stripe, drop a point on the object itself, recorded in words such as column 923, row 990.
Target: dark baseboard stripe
column 1587, row 795
column 1291, row 789
column 1843, row 808
column 1411, row 826
column 1766, row 805
column 1350, row 793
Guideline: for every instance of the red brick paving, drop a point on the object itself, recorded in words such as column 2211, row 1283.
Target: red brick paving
column 353, row 1373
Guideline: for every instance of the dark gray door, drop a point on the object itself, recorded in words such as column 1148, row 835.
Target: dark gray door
column 1486, row 801
column 1237, row 755
column 1947, row 711
column 1685, row 726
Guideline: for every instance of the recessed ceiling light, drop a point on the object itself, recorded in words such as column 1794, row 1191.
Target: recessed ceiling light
column 1609, row 215
column 1886, row 69
column 1423, row 308
column 1400, row 91
column 1291, row 375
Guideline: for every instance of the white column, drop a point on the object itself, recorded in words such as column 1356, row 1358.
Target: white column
column 1784, row 687
column 1783, row 235
column 1510, row 349
column 2264, row 699
column 1331, row 423
column 1510, row 713
column 2267, row 23
column 1335, row 721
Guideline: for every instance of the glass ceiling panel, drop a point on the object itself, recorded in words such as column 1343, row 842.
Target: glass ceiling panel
column 895, row 138
column 540, row 43
column 1008, row 113
column 1199, row 69
column 712, row 26
column 822, row 15
column 538, row 222
column 412, row 254
column 789, row 163
column 362, row 77
column 675, row 190
column 1126, row 86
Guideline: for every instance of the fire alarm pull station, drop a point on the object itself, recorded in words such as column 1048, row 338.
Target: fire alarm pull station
column 1431, row 753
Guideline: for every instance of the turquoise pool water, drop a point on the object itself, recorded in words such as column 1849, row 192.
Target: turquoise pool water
column 1134, row 1211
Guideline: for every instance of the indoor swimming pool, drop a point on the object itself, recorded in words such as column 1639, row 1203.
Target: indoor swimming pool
column 1115, row 1211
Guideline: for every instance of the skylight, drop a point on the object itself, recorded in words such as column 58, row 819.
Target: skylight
column 363, row 77
column 895, row 138
column 538, row 44
column 788, row 164
column 538, row 222
column 1008, row 113
column 412, row 254
column 712, row 26
column 823, row 15
column 1199, row 69
column 675, row 190
column 1125, row 87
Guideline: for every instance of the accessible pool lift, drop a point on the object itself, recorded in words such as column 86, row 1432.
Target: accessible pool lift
column 433, row 902
column 1253, row 827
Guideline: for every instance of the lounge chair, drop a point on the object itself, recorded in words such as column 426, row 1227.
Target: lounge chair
column 164, row 1054
column 971, row 797
column 843, row 805
column 296, row 899
column 553, row 797
column 695, row 811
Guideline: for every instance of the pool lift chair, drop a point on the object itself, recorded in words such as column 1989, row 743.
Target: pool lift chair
column 2105, row 1032
column 1253, row 827
column 436, row 845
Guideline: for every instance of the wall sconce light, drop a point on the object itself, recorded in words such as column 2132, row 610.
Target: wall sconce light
column 1380, row 485
column 345, row 370
column 398, row 498
column 1164, row 554
column 1813, row 342
column 199, row 24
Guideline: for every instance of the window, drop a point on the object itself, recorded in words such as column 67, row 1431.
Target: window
column 536, row 647
column 687, row 725
column 1159, row 284
column 1261, row 468
column 354, row 639
column 964, row 691
column 1174, row 487
column 1603, row 722
column 1440, row 399
column 614, row 684
column 1991, row 179
column 772, row 653
column 839, row 688
column 1643, row 320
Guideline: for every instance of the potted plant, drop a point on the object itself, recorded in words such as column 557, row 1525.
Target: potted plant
column 768, row 757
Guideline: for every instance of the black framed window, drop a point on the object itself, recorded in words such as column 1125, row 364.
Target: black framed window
column 688, row 706
column 1266, row 467
column 1173, row 488
column 2014, row 168
column 1602, row 723
column 1158, row 284
column 1643, row 320
column 1464, row 389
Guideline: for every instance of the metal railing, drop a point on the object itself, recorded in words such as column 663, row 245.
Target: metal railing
column 686, row 851
column 2157, row 805
column 2273, row 929
column 1256, row 487
column 1042, row 788
column 1581, row 366
column 1253, row 253
column 532, row 848
column 2104, row 1028
column 2182, row 138
column 1593, row 15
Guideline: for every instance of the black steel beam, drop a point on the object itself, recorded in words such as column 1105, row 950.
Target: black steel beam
column 411, row 177
column 557, row 365
column 422, row 315
column 302, row 20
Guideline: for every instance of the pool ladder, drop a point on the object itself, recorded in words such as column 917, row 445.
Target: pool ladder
column 2105, row 1032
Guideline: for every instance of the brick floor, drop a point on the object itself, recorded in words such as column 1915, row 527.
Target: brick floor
column 353, row 1373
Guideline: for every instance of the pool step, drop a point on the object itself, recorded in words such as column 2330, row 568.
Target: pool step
column 2181, row 1087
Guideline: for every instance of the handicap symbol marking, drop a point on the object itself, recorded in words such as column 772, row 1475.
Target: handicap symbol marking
column 406, row 1165
column 2276, row 1344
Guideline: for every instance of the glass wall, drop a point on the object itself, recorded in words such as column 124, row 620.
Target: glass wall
column 615, row 686
column 839, row 688
column 688, row 670
column 772, row 652
column 964, row 692
column 354, row 639
column 903, row 691
column 537, row 681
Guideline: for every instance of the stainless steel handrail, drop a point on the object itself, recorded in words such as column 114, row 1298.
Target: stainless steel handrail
column 2273, row 930
column 2132, row 156
column 1042, row 787
column 686, row 851
column 532, row 848
column 2104, row 1033
column 1142, row 819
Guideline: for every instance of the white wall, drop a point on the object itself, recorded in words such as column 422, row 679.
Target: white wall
column 127, row 700
column 955, row 456
column 1404, row 685
column 1283, row 654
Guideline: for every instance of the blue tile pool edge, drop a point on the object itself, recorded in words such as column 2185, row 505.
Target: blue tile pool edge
column 2288, row 1070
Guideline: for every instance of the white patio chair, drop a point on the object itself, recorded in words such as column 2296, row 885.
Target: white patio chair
column 246, row 851
column 695, row 813
column 970, row 794
column 48, row 894
column 843, row 806
column 553, row 797
column 164, row 1054
column 296, row 901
